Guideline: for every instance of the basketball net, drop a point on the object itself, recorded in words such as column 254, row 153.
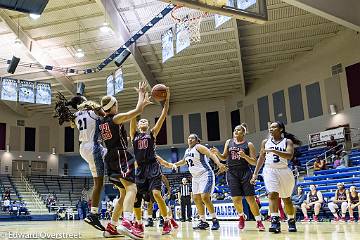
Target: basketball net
column 191, row 20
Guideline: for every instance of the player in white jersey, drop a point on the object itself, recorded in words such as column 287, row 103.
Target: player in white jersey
column 203, row 179
column 87, row 121
column 279, row 181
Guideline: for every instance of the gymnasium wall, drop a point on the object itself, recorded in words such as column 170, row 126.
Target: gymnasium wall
column 308, row 88
column 302, row 90
column 46, row 137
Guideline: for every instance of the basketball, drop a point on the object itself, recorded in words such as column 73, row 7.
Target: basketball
column 158, row 92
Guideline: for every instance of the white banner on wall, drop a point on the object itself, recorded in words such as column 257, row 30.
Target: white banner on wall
column 319, row 139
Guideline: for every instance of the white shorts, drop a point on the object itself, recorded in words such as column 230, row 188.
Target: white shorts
column 203, row 183
column 280, row 180
column 94, row 156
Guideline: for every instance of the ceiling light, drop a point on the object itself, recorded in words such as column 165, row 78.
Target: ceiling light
column 20, row 156
column 105, row 27
column 34, row 16
column 17, row 42
column 79, row 53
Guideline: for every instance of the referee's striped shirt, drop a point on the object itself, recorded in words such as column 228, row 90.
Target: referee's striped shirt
column 185, row 190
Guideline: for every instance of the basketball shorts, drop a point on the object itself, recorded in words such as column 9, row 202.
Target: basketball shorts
column 203, row 183
column 120, row 164
column 280, row 180
column 239, row 182
column 148, row 172
column 140, row 196
column 94, row 155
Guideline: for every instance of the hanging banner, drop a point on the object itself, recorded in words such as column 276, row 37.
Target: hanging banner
column 182, row 36
column 119, row 81
column 244, row 4
column 167, row 40
column 9, row 89
column 319, row 139
column 26, row 91
column 43, row 93
column 220, row 20
column 110, row 88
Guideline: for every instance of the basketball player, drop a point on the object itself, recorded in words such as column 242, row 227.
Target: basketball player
column 148, row 171
column 165, row 190
column 314, row 199
column 279, row 180
column 353, row 197
column 203, row 179
column 149, row 199
column 240, row 155
column 340, row 201
column 119, row 162
column 87, row 120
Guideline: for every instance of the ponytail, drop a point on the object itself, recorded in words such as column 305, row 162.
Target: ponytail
column 62, row 111
column 287, row 135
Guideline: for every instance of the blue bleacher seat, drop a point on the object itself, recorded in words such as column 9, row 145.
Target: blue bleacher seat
column 332, row 187
column 349, row 169
column 328, row 194
column 335, row 175
column 332, row 181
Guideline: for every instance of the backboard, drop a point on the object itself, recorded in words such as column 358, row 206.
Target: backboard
column 246, row 10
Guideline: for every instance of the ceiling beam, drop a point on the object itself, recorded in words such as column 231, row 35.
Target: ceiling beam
column 123, row 34
column 345, row 13
column 35, row 52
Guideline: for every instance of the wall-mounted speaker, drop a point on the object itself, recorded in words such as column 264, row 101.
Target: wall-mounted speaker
column 13, row 65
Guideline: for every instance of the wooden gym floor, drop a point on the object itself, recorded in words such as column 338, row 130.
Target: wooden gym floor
column 228, row 230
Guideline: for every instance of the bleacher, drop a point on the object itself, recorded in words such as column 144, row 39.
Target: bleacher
column 68, row 190
column 307, row 155
column 5, row 182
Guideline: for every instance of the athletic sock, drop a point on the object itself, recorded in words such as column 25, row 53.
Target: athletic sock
column 129, row 216
column 275, row 214
column 258, row 218
column 202, row 218
column 213, row 215
column 241, row 214
column 94, row 210
column 291, row 216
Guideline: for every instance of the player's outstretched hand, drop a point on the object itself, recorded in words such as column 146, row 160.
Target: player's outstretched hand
column 173, row 167
column 242, row 154
column 253, row 179
column 146, row 100
column 141, row 87
column 222, row 168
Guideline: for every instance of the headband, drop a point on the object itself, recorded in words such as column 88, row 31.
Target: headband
column 245, row 130
column 110, row 104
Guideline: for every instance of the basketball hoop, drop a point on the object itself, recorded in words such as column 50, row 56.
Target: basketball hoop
column 189, row 20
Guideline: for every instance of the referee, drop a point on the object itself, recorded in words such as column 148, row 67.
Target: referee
column 184, row 197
